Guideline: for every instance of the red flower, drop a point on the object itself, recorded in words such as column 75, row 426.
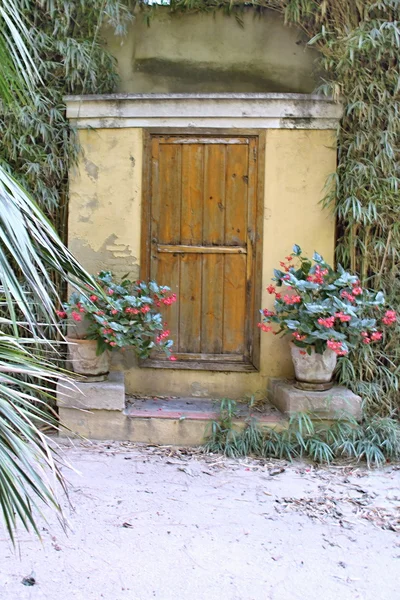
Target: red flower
column 336, row 347
column 278, row 296
column 366, row 340
column 376, row 336
column 298, row 336
column 328, row 322
column 390, row 317
column 271, row 289
column 113, row 343
column 291, row 299
column 76, row 316
column 114, row 311
column 268, row 313
column 172, row 358
column 145, row 309
column 289, row 258
column 303, row 352
column 343, row 317
column 357, row 290
column 110, row 292
column 318, row 276
column 93, row 298
column 347, row 295
column 169, row 300
column 61, row 314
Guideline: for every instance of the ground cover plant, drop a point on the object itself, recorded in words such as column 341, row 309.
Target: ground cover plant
column 375, row 440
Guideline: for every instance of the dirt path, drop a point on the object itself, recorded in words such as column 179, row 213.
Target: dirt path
column 155, row 523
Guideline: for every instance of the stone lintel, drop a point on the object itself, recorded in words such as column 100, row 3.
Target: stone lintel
column 99, row 395
column 331, row 404
column 232, row 111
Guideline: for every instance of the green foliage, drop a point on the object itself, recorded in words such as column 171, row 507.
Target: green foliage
column 374, row 441
column 324, row 308
column 359, row 44
column 29, row 249
column 37, row 141
column 124, row 314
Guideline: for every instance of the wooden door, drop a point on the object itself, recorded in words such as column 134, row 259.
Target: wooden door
column 201, row 240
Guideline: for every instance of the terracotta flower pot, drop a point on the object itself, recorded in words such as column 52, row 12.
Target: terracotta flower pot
column 313, row 371
column 82, row 355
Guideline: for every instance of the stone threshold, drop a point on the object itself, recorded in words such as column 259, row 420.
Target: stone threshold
column 202, row 409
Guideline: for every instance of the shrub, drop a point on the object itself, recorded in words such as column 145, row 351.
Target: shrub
column 127, row 314
column 324, row 308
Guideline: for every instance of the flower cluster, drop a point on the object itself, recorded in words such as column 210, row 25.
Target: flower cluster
column 337, row 347
column 389, row 317
column 291, row 299
column 375, row 336
column 318, row 276
column 325, row 308
column 121, row 314
column 328, row 322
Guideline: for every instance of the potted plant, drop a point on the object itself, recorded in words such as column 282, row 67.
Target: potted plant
column 116, row 316
column 326, row 312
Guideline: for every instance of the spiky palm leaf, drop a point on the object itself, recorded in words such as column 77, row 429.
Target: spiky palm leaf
column 29, row 250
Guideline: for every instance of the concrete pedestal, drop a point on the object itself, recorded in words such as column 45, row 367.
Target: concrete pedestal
column 98, row 395
column 331, row 404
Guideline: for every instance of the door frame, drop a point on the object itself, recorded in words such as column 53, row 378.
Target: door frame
column 257, row 241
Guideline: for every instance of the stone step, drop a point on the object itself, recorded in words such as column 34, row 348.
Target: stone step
column 101, row 411
column 186, row 421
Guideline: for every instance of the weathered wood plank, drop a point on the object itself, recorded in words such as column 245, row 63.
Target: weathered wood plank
column 251, row 245
column 182, row 249
column 192, row 186
column 189, row 303
column 234, row 312
column 214, row 195
column 236, row 195
column 212, row 304
column 204, row 140
column 199, row 365
column 167, row 212
column 201, row 356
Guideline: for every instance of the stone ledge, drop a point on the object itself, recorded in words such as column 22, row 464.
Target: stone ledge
column 100, row 395
column 249, row 111
column 328, row 405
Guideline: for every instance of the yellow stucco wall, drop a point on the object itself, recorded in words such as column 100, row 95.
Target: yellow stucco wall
column 104, row 233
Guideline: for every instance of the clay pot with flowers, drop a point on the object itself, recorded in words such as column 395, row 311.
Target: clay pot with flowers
column 326, row 312
column 116, row 316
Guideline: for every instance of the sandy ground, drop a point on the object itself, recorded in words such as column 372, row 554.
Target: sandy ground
column 159, row 523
